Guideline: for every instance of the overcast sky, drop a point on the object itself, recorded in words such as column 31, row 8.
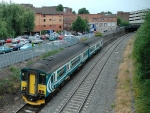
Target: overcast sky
column 94, row 6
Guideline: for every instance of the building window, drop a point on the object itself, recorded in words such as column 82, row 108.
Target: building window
column 105, row 24
column 50, row 19
column 109, row 24
column 101, row 24
column 68, row 19
column 44, row 25
column 94, row 19
column 60, row 19
column 44, row 20
column 60, row 27
column 54, row 19
column 50, row 25
column 44, row 15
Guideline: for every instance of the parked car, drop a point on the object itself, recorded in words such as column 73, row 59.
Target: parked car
column 52, row 38
column 26, row 46
column 43, row 37
column 61, row 37
column 36, row 40
column 16, row 46
column 23, row 41
column 15, row 40
column 2, row 42
column 5, row 49
column 9, row 40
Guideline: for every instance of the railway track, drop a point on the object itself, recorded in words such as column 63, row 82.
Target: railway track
column 81, row 92
column 30, row 109
column 76, row 99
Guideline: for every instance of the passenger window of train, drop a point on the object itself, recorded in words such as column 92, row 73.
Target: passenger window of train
column 42, row 79
column 60, row 72
column 97, row 45
column 24, row 76
column 75, row 61
column 84, row 54
column 67, row 66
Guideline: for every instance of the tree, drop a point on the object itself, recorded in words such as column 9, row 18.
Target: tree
column 119, row 21
column 106, row 12
column 29, row 17
column 73, row 12
column 15, row 19
column 60, row 7
column 79, row 25
column 87, row 24
column 83, row 11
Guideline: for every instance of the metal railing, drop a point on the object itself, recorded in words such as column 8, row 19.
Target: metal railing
column 20, row 56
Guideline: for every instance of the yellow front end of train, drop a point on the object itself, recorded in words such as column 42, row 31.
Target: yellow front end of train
column 33, row 87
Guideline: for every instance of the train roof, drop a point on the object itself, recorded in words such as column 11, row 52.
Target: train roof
column 51, row 63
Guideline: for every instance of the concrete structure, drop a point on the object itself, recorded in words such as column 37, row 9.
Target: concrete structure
column 137, row 17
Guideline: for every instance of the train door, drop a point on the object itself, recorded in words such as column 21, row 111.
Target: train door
column 52, row 80
column 32, row 83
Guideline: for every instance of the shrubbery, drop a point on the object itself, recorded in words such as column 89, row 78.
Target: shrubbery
column 98, row 34
column 142, row 61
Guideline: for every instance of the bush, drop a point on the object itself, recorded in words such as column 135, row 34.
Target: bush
column 98, row 34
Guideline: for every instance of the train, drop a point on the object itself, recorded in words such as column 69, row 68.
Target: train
column 41, row 79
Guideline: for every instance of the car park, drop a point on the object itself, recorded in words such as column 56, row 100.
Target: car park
column 5, row 49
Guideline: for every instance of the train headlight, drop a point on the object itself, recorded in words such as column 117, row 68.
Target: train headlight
column 41, row 92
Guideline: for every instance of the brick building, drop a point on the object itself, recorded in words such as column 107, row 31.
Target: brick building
column 47, row 18
column 98, row 22
column 123, row 15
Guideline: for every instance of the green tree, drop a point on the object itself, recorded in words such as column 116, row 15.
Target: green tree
column 87, row 25
column 79, row 25
column 125, row 23
column 119, row 21
column 106, row 12
column 60, row 7
column 83, row 11
column 16, row 18
column 3, row 29
column 73, row 12
column 142, row 63
column 29, row 17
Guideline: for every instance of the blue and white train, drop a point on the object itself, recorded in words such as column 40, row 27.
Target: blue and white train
column 41, row 79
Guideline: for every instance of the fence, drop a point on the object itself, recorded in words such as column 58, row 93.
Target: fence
column 19, row 56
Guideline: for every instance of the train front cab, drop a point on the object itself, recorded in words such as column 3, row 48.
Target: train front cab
column 33, row 87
